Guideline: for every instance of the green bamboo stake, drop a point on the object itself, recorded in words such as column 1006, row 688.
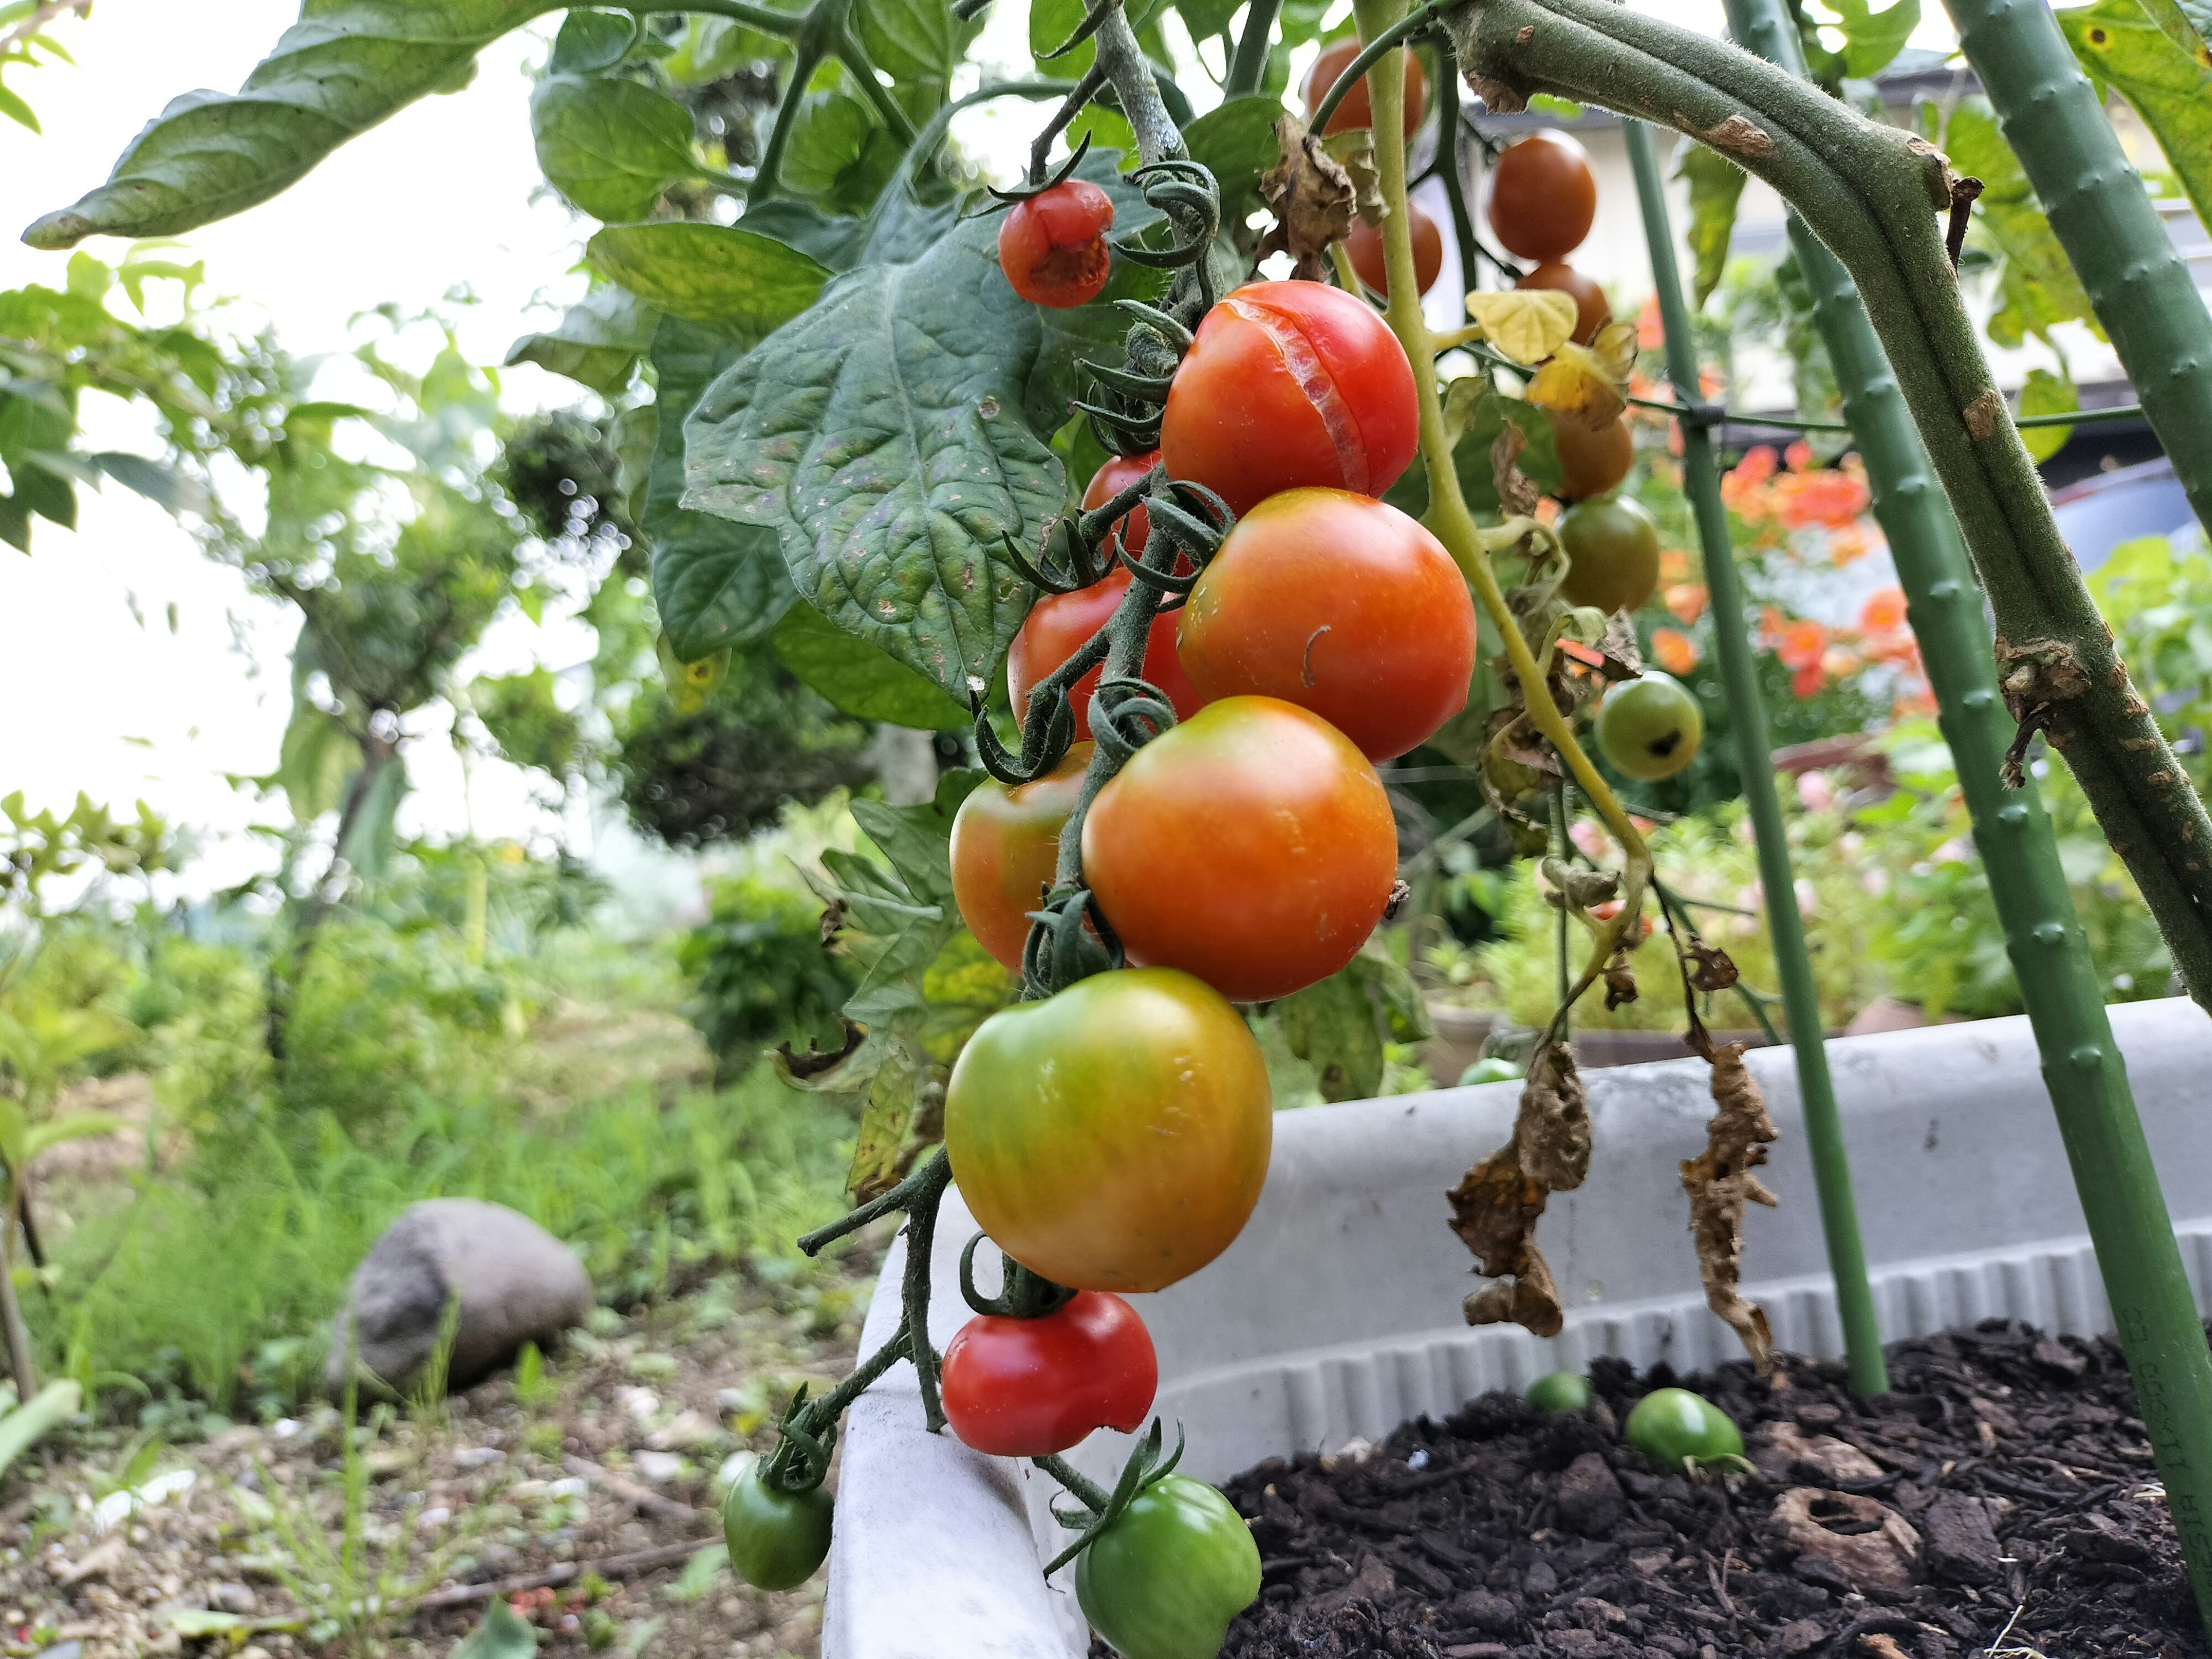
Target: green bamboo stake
column 1824, row 1131
column 2137, row 281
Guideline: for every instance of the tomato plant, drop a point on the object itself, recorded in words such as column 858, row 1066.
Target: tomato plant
column 1112, row 1137
column 1559, row 1391
column 776, row 1538
column 1028, row 1388
column 1053, row 245
column 1005, row 841
column 1060, row 624
column 1543, row 197
column 1612, row 546
column 1290, row 384
column 1340, row 603
column 1674, row 1427
column 1592, row 309
column 1356, row 109
column 1364, row 245
column 1651, row 726
column 1592, row 462
column 1166, row 1577
column 1252, row 845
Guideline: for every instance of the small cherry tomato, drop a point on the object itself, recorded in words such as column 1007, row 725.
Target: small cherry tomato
column 1592, row 310
column 1591, row 463
column 1649, row 728
column 1491, row 1068
column 1029, row 1388
column 776, row 1538
column 1006, row 846
column 1113, row 1137
column 1291, row 384
column 1252, row 845
column 1543, row 197
column 1110, row 480
column 1674, row 1427
column 1163, row 1581
column 1364, row 245
column 1356, row 109
column 1053, row 246
column 1559, row 1391
column 1611, row 907
column 1612, row 552
column 1340, row 603
column 1060, row 624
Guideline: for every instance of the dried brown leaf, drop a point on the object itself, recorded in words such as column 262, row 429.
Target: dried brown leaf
column 1720, row 1183
column 1354, row 149
column 1623, row 659
column 1619, row 985
column 1552, row 1136
column 1313, row 198
column 1715, row 970
column 1531, row 1301
column 1516, row 494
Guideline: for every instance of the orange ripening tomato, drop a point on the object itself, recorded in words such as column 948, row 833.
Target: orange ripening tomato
column 1591, row 463
column 1356, row 108
column 1364, row 245
column 1110, row 480
column 1060, row 624
column 1252, row 845
column 1592, row 310
column 1053, row 246
column 1290, row 384
column 1006, row 846
column 1543, row 197
column 1341, row 605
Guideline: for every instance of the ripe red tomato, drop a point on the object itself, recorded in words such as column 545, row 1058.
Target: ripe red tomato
column 1543, row 197
column 1356, row 109
column 1029, row 1388
column 1290, row 384
column 1591, row 463
column 1053, row 246
column 1113, row 1137
column 1006, row 843
column 1060, row 624
column 1110, row 480
column 1252, row 845
column 1364, row 245
column 1592, row 310
column 1341, row 605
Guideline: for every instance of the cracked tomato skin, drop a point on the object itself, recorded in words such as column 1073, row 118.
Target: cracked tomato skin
column 1291, row 386
column 1341, row 605
column 1060, row 624
column 1029, row 1388
column 1113, row 1137
column 1006, row 846
column 1053, row 246
column 1252, row 845
column 1165, row 1579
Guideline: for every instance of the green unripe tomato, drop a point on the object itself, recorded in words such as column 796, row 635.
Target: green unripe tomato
column 1673, row 1427
column 1560, row 1391
column 1650, row 727
column 1164, row 1580
column 776, row 1538
column 1612, row 552
column 1489, row 1069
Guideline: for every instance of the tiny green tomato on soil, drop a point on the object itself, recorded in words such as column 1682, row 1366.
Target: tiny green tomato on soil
column 1559, row 1391
column 1674, row 1428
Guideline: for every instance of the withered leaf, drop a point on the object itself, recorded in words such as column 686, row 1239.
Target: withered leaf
column 1531, row 1301
column 1619, row 985
column 1354, row 149
column 1312, row 196
column 1494, row 1211
column 1516, row 494
column 1720, row 1183
column 1714, row 971
column 1552, row 1136
column 816, row 1061
column 1578, row 385
column 1623, row 659
column 1581, row 888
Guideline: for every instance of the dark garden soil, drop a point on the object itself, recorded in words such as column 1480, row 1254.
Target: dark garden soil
column 2001, row 1499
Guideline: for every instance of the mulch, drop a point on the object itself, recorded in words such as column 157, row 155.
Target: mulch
column 2001, row 1498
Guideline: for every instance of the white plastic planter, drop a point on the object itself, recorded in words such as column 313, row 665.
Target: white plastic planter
column 1337, row 1312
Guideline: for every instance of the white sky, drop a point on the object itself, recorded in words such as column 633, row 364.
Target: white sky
column 446, row 193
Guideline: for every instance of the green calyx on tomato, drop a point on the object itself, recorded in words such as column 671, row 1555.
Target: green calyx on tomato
column 1005, row 847
column 1613, row 551
column 1679, row 1430
column 1559, row 1391
column 1113, row 1137
column 776, row 1537
column 1162, row 1579
column 1650, row 727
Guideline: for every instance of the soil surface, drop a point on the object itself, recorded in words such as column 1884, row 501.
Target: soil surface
column 2002, row 1500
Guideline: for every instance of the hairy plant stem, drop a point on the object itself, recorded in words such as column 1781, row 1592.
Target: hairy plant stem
column 1448, row 518
column 1871, row 194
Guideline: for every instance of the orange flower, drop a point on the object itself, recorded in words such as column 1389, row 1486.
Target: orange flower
column 1674, row 565
column 1807, row 680
column 1675, row 651
column 1884, row 613
column 1799, row 456
column 1800, row 645
column 1650, row 332
column 1849, row 543
column 1686, row 600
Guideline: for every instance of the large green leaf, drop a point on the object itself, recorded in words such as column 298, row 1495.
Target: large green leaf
column 611, row 147
column 598, row 341
column 859, row 678
column 1872, row 39
column 1237, row 142
column 1716, row 188
column 883, row 437
column 914, row 40
column 343, row 67
column 716, row 583
column 736, row 279
column 2169, row 84
column 839, row 153
column 591, row 42
column 2037, row 287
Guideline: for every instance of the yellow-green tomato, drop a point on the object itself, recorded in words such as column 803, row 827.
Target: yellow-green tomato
column 1651, row 726
column 1559, row 1391
column 1674, row 1427
column 1113, row 1137
column 1613, row 553
column 1163, row 1581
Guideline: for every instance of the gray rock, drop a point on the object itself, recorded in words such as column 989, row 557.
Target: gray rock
column 1961, row 1544
column 515, row 1283
column 1590, row 1499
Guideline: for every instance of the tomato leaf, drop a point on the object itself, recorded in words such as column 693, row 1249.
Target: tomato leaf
column 2156, row 53
column 1527, row 323
column 839, row 153
column 914, row 40
column 2037, row 287
column 1236, row 141
column 343, row 67
column 597, row 341
column 741, row 282
column 591, row 42
column 859, row 679
column 1715, row 189
column 1872, row 39
column 611, row 147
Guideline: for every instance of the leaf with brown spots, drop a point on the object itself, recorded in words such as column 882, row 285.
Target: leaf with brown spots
column 1495, row 1207
column 1720, row 1183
